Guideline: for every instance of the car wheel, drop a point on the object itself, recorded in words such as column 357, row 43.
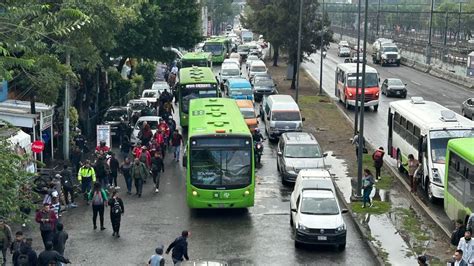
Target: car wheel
column 376, row 108
column 398, row 64
column 463, row 113
column 341, row 247
column 278, row 167
column 291, row 219
column 297, row 244
column 404, row 96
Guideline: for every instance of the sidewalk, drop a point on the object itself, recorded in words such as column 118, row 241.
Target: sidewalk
column 393, row 227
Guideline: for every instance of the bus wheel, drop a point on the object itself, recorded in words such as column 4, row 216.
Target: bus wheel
column 429, row 193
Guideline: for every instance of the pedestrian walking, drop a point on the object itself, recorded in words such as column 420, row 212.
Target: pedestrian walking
column 68, row 187
column 458, row 259
column 125, row 147
column 5, row 238
column 76, row 158
column 19, row 241
column 367, row 185
column 467, row 246
column 355, row 142
column 413, row 166
column 47, row 221
column 157, row 166
column 99, row 199
column 145, row 134
column 86, row 176
column 102, row 171
column 157, row 259
column 114, row 166
column 59, row 239
column 176, row 141
column 125, row 168
column 458, row 233
column 377, row 157
column 50, row 256
column 26, row 256
column 139, row 173
column 116, row 211
column 180, row 248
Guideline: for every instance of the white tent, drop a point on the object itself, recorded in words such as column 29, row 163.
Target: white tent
column 22, row 139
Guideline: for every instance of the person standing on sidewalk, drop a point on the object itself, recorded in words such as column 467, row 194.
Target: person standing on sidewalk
column 86, row 176
column 59, row 239
column 413, row 166
column 377, row 157
column 114, row 166
column 5, row 238
column 157, row 166
column 139, row 173
column 125, row 168
column 157, row 259
column 367, row 184
column 176, row 141
column 180, row 248
column 68, row 186
column 47, row 220
column 458, row 233
column 99, row 199
column 116, row 211
column 467, row 246
column 355, row 142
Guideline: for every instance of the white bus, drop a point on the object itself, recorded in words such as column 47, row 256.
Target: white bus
column 423, row 128
column 345, row 85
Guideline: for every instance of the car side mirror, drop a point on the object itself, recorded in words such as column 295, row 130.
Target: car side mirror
column 344, row 211
column 303, row 119
column 279, row 153
column 276, row 84
column 325, row 154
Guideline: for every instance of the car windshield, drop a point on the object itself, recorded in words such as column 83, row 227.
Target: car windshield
column 189, row 94
column 371, row 80
column 230, row 71
column 243, row 48
column 150, row 94
column 319, row 206
column 439, row 142
column 240, row 91
column 264, row 83
column 286, row 116
column 137, row 106
column 302, row 151
column 222, row 168
column 395, row 82
column 215, row 49
column 153, row 124
column 252, row 57
column 390, row 49
column 114, row 115
column 258, row 69
column 345, row 49
column 248, row 113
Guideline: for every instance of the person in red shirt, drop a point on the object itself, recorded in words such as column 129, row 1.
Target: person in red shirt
column 102, row 148
column 47, row 220
column 163, row 126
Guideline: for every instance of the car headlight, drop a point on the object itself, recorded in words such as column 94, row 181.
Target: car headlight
column 299, row 127
column 399, row 56
column 341, row 228
column 350, row 94
column 377, row 94
column 302, row 227
column 436, row 176
column 384, row 56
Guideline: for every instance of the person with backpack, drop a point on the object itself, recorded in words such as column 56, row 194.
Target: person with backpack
column 5, row 238
column 68, row 186
column 99, row 199
column 157, row 259
column 180, row 248
column 47, row 220
column 26, row 256
column 116, row 211
column 157, row 166
column 139, row 173
column 50, row 256
column 59, row 239
column 377, row 157
column 114, row 166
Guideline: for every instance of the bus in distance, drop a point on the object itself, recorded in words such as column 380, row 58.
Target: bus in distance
column 345, row 85
column 195, row 82
column 199, row 59
column 423, row 128
column 220, row 170
column 219, row 47
column 459, row 179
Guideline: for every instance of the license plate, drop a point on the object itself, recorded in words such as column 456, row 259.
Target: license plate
column 398, row 92
column 322, row 238
column 221, row 205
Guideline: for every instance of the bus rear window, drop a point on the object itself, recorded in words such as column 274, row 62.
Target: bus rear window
column 286, row 116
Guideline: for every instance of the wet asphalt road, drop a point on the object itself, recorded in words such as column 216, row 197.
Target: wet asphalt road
column 260, row 235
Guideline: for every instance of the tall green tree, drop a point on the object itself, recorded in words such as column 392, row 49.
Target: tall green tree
column 221, row 11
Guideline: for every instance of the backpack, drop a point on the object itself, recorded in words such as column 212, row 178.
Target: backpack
column 97, row 199
column 378, row 155
column 23, row 259
column 116, row 209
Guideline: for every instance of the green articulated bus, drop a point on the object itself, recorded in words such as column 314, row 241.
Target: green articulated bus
column 459, row 179
column 195, row 82
column 219, row 47
column 199, row 59
column 219, row 156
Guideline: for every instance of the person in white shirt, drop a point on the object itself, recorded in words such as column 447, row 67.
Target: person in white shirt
column 458, row 260
column 467, row 246
column 174, row 70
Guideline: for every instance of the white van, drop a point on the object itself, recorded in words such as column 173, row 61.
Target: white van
column 281, row 114
column 257, row 66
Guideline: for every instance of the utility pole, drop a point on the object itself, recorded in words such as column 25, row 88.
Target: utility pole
column 428, row 49
column 66, row 112
column 459, row 21
column 362, row 103
column 298, row 56
column 378, row 19
column 322, row 48
column 356, row 115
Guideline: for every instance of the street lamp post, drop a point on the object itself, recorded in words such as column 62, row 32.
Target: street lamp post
column 428, row 49
column 298, row 56
column 322, row 48
column 378, row 19
column 356, row 115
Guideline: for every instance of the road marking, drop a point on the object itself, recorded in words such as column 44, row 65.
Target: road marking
column 416, row 83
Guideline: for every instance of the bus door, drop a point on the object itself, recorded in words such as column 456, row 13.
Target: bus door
column 390, row 132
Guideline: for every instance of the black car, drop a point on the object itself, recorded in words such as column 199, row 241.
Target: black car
column 263, row 85
column 113, row 116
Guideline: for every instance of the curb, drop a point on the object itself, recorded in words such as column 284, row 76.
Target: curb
column 360, row 228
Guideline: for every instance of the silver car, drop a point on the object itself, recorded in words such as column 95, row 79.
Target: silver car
column 394, row 87
column 297, row 151
column 467, row 108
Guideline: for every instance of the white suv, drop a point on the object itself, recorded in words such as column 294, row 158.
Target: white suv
column 316, row 218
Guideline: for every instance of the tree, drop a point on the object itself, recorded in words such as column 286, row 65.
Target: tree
column 278, row 20
column 221, row 11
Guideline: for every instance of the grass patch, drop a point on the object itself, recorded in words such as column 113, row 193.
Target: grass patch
column 386, row 179
column 310, row 101
column 411, row 224
column 385, row 182
column 379, row 207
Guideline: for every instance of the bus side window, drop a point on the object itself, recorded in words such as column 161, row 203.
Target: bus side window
column 403, row 126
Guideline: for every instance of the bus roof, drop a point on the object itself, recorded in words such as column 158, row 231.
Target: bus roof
column 196, row 56
column 463, row 147
column 239, row 83
column 199, row 75
column 216, row 116
column 428, row 115
column 352, row 68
